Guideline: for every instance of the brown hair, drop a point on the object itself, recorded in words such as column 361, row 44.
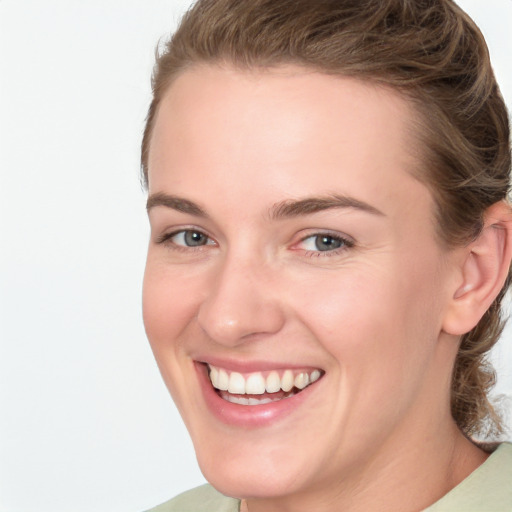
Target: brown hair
column 433, row 53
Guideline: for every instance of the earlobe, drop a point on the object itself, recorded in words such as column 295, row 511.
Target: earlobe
column 485, row 267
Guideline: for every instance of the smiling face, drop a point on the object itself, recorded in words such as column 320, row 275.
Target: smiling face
column 293, row 262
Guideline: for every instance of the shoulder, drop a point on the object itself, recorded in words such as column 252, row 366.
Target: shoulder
column 200, row 499
column 487, row 488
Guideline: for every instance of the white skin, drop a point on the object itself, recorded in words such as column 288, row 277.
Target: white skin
column 375, row 314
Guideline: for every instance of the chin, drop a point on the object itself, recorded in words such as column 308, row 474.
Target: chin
column 249, row 482
column 254, row 473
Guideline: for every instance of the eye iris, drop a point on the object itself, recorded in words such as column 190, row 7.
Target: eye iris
column 327, row 243
column 194, row 238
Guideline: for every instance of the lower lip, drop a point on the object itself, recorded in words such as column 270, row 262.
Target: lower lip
column 247, row 415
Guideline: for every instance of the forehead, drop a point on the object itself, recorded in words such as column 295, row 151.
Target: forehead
column 287, row 130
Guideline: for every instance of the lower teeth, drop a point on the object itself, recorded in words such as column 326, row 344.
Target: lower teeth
column 240, row 400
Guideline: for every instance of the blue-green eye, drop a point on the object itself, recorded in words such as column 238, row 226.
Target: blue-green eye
column 189, row 238
column 323, row 243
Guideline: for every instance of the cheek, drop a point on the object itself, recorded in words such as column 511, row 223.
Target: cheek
column 168, row 308
column 168, row 304
column 345, row 308
column 379, row 322
column 379, row 349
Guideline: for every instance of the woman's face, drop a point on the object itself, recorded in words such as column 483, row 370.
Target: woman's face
column 289, row 244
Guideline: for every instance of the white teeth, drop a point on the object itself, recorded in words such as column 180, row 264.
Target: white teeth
column 287, row 381
column 301, row 381
column 214, row 376
column 315, row 375
column 273, row 383
column 236, row 383
column 237, row 400
column 223, row 381
column 240, row 400
column 255, row 384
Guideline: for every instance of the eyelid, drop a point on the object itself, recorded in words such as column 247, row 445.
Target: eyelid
column 168, row 235
column 347, row 242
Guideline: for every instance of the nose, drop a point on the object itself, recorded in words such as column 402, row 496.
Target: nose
column 241, row 303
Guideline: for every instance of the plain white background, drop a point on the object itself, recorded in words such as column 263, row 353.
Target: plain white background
column 85, row 422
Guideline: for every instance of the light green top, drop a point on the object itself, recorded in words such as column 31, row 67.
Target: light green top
column 487, row 489
column 200, row 499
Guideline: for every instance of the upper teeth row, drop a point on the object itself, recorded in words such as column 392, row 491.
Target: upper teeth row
column 256, row 384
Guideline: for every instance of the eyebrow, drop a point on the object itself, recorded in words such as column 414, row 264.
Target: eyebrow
column 282, row 210
column 310, row 205
column 176, row 203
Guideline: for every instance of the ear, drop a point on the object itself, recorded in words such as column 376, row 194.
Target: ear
column 485, row 266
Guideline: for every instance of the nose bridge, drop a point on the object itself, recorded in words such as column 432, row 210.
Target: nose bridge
column 240, row 301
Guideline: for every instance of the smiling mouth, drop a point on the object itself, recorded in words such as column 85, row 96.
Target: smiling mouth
column 258, row 388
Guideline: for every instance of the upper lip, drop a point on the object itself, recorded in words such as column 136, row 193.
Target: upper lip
column 243, row 366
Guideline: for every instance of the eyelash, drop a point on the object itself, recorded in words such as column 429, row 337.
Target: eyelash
column 345, row 243
column 166, row 239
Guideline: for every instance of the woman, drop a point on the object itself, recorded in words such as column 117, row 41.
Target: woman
column 330, row 245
